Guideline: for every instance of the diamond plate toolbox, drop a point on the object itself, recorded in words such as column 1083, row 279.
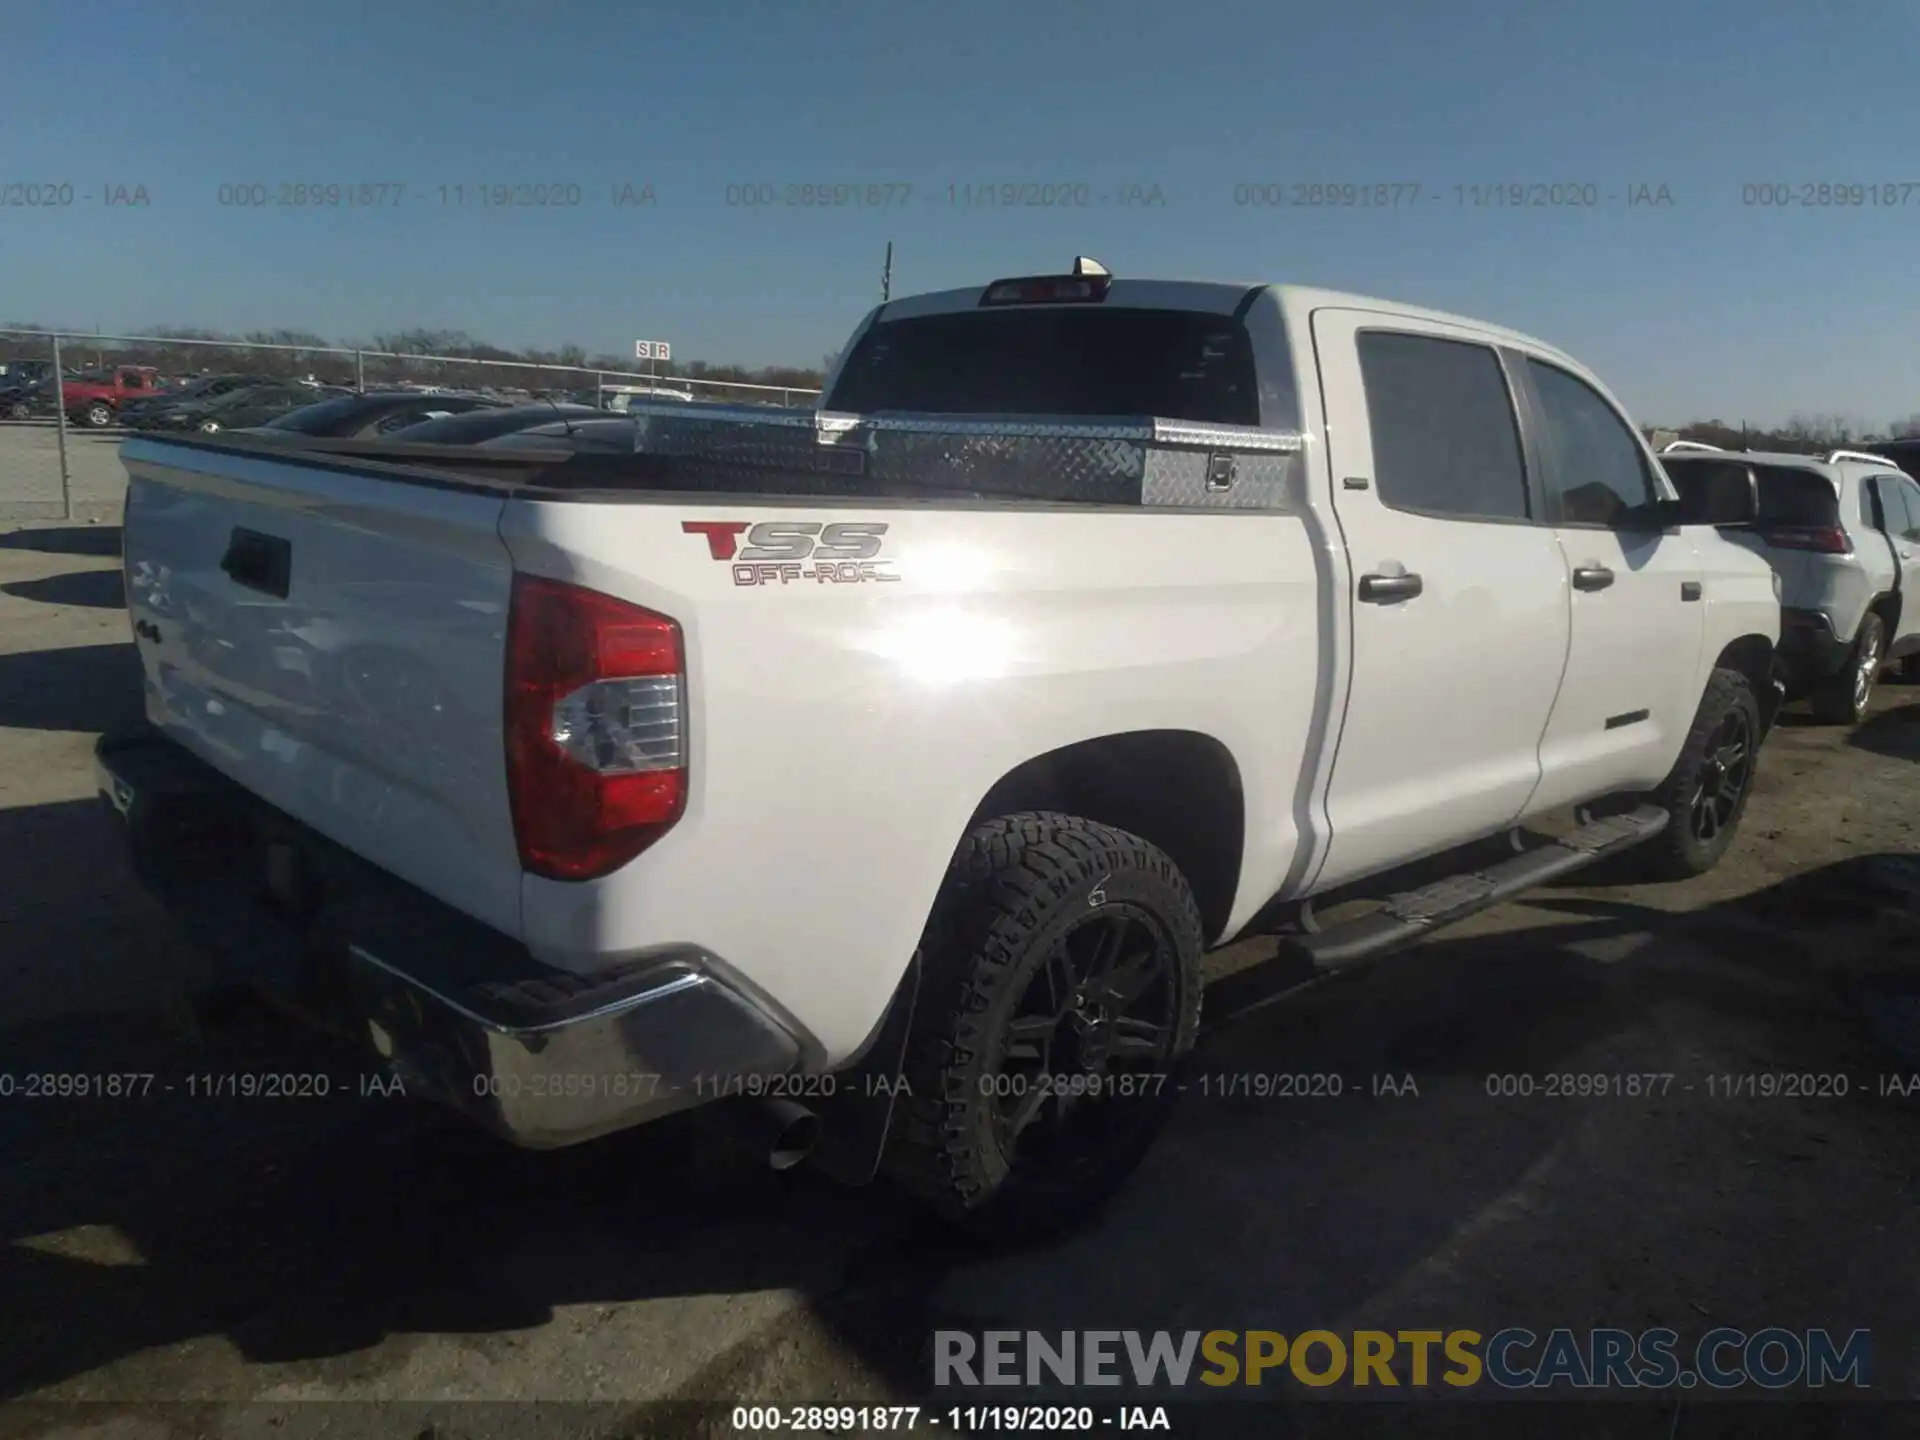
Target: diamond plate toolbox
column 1144, row 462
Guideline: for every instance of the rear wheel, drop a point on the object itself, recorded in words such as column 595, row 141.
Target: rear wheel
column 1706, row 793
column 99, row 415
column 1842, row 698
column 1063, row 987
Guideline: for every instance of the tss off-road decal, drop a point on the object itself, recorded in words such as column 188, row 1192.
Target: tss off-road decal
column 783, row 551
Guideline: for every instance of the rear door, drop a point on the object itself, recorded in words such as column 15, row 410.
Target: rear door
column 1628, row 698
column 1900, row 511
column 1459, row 600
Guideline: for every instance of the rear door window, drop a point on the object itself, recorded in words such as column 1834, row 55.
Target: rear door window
column 1445, row 441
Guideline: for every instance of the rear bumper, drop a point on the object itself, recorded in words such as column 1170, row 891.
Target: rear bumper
column 458, row 1012
column 1809, row 651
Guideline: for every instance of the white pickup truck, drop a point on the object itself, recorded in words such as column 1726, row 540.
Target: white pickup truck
column 887, row 768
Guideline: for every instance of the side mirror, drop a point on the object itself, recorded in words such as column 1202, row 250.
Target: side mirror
column 1654, row 517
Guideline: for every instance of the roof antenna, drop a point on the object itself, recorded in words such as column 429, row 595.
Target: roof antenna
column 1087, row 265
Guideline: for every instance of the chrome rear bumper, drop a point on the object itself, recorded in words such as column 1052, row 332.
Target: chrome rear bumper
column 459, row 1013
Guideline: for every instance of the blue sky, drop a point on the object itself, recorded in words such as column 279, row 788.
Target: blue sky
column 1706, row 306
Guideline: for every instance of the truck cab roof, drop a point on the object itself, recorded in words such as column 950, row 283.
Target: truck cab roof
column 1223, row 297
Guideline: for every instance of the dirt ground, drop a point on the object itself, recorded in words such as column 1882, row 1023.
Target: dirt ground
column 196, row 1266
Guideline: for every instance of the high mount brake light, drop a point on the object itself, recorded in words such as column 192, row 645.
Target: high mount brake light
column 595, row 728
column 1048, row 290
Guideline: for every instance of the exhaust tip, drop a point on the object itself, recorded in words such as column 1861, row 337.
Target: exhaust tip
column 795, row 1141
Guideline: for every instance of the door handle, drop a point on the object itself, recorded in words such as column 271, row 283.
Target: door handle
column 1388, row 589
column 1592, row 577
column 259, row 562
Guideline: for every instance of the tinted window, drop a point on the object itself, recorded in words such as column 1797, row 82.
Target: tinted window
column 1698, row 481
column 616, row 436
column 1598, row 469
column 1903, row 508
column 312, row 419
column 1880, row 504
column 400, row 419
column 481, row 425
column 1444, row 436
column 1080, row 361
column 1796, row 497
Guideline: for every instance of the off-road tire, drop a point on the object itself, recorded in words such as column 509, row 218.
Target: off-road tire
column 1678, row 852
column 1017, row 885
column 1839, row 699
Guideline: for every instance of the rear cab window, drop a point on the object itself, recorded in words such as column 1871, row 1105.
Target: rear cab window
column 1081, row 361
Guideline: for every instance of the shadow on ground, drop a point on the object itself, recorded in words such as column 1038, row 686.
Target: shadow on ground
column 1894, row 733
column 92, row 589
column 305, row 1232
column 81, row 687
column 65, row 539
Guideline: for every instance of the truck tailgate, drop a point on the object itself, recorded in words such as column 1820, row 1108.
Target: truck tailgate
column 334, row 641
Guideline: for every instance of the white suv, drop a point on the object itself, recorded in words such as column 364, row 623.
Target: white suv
column 1843, row 534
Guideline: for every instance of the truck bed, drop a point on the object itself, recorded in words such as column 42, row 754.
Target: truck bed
column 749, row 451
column 326, row 626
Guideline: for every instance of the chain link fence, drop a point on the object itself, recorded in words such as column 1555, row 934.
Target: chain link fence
column 61, row 461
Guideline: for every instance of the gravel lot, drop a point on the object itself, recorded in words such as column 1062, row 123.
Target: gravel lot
column 233, row 1255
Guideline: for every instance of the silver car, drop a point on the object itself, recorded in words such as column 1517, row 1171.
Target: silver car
column 1842, row 531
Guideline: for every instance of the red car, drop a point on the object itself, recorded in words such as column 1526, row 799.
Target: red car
column 95, row 398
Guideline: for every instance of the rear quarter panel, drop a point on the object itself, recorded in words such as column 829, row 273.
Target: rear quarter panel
column 843, row 733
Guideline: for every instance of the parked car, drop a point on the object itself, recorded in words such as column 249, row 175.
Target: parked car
column 139, row 413
column 992, row 732
column 17, row 374
column 94, row 400
column 360, row 417
column 1842, row 532
column 238, row 409
column 26, row 400
column 478, row 426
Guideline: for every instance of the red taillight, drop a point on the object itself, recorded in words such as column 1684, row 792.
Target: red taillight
column 1827, row 539
column 596, row 750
